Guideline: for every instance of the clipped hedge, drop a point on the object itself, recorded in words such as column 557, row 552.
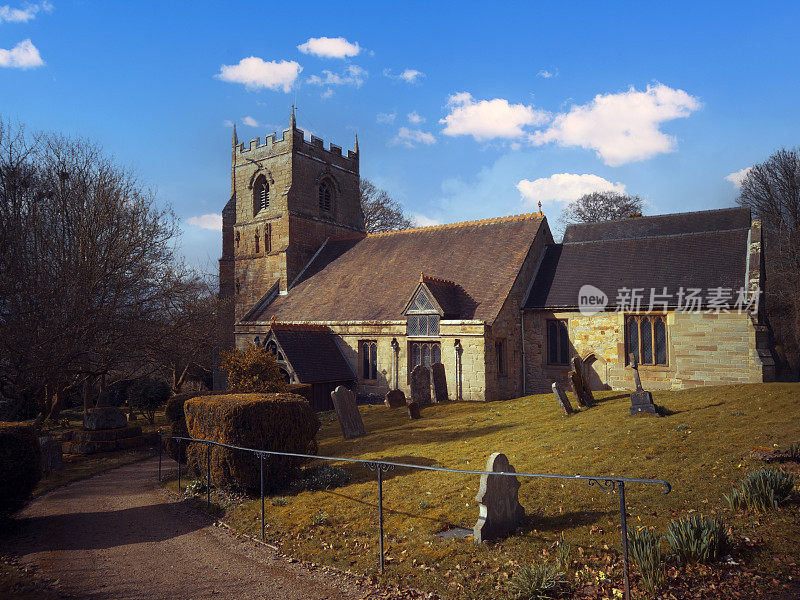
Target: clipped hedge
column 282, row 422
column 176, row 418
column 20, row 466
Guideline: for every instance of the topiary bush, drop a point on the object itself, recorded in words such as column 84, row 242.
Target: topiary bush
column 697, row 538
column 762, row 490
column 147, row 395
column 645, row 548
column 252, row 370
column 279, row 422
column 20, row 466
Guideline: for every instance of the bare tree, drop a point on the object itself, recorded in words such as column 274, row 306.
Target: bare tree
column 602, row 206
column 87, row 265
column 381, row 211
column 772, row 191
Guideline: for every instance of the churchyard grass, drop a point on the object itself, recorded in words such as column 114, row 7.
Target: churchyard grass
column 702, row 447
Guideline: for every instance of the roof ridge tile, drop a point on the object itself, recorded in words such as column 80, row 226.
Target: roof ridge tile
column 489, row 221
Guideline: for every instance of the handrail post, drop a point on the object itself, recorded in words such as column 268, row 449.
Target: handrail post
column 208, row 476
column 380, row 513
column 261, row 456
column 160, row 444
column 179, row 465
column 622, row 511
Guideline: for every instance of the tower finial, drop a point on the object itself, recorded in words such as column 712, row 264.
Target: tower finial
column 293, row 121
column 356, row 146
column 235, row 138
column 540, row 209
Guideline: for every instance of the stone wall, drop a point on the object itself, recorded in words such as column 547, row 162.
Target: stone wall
column 702, row 349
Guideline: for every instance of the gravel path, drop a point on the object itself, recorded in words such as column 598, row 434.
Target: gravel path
column 119, row 536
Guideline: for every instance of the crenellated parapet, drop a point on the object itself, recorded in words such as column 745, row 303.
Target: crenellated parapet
column 294, row 139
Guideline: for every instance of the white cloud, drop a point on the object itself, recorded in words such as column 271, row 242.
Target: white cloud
column 211, row 221
column 411, row 75
column 330, row 47
column 327, row 93
column 545, row 74
column 23, row 15
column 250, row 121
column 255, row 72
column 22, row 56
column 415, row 117
column 621, row 127
column 420, row 220
column 227, row 123
column 489, row 119
column 564, row 187
column 352, row 75
column 386, row 117
column 411, row 137
column 737, row 177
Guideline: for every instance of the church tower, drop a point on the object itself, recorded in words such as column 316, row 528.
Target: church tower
column 288, row 196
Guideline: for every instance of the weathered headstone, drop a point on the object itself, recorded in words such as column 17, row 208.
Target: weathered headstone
column 641, row 400
column 498, row 496
column 51, row 454
column 104, row 417
column 580, row 386
column 563, row 401
column 413, row 410
column 395, row 399
column 439, row 382
column 421, row 385
column 344, row 401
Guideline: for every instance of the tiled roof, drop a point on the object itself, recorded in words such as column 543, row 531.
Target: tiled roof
column 371, row 278
column 688, row 250
column 313, row 353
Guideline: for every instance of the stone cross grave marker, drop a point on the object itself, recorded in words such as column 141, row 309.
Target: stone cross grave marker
column 421, row 385
column 641, row 400
column 583, row 394
column 563, row 401
column 498, row 496
column 344, row 401
column 439, row 383
column 395, row 399
column 413, row 410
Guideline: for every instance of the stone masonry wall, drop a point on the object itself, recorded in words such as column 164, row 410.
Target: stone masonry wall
column 702, row 349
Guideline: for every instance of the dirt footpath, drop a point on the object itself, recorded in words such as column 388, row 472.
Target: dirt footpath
column 119, row 536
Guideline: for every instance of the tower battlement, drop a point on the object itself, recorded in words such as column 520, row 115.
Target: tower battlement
column 294, row 139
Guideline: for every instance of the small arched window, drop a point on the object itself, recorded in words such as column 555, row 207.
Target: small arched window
column 267, row 238
column 325, row 195
column 260, row 195
column 257, row 242
column 237, row 239
column 238, row 287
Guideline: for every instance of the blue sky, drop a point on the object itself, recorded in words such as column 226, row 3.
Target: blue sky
column 463, row 110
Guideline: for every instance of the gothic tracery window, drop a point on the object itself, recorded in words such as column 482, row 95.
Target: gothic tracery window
column 260, row 195
column 646, row 339
column 325, row 195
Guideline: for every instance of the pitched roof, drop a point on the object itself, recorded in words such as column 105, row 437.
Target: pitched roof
column 703, row 250
column 313, row 353
column 370, row 278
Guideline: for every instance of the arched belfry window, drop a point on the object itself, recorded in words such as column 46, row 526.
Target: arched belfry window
column 325, row 195
column 260, row 195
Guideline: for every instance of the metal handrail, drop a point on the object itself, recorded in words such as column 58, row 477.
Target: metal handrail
column 604, row 482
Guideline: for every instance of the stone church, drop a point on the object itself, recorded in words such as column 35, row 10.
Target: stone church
column 496, row 301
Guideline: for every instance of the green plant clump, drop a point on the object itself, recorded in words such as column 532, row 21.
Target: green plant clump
column 645, row 548
column 543, row 580
column 697, row 538
column 762, row 490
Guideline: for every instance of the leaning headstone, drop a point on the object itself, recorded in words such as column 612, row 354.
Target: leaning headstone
column 439, row 383
column 421, row 385
column 641, row 400
column 413, row 410
column 51, row 454
column 344, row 401
column 104, row 417
column 583, row 394
column 563, row 401
column 500, row 510
column 395, row 399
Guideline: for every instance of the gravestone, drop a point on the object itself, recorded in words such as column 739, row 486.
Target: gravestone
column 561, row 396
column 580, row 386
column 104, row 417
column 421, row 385
column 413, row 410
column 641, row 400
column 439, row 383
column 395, row 399
column 344, row 401
column 51, row 454
column 498, row 496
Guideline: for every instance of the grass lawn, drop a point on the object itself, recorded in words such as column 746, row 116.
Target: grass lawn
column 702, row 448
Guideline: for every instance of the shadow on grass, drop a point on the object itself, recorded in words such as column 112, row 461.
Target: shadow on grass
column 567, row 520
column 390, row 511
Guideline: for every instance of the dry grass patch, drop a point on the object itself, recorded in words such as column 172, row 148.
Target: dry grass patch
column 703, row 447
